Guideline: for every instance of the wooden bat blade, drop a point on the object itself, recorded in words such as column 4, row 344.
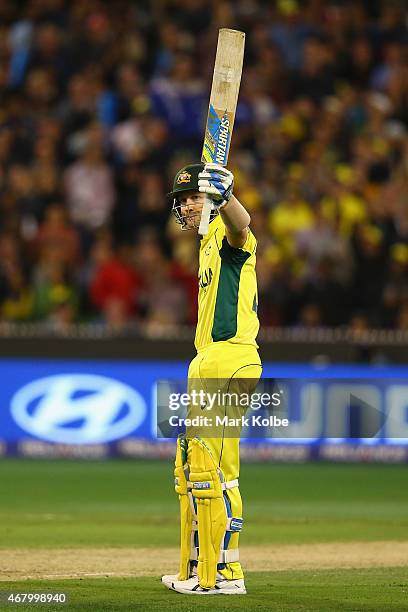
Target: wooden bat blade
column 229, row 60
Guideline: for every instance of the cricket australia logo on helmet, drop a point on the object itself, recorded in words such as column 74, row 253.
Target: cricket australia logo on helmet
column 78, row 409
column 183, row 177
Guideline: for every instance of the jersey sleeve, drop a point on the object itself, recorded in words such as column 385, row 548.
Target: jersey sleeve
column 250, row 243
column 221, row 239
column 248, row 248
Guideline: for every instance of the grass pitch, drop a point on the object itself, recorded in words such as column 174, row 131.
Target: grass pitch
column 52, row 506
column 124, row 503
column 352, row 590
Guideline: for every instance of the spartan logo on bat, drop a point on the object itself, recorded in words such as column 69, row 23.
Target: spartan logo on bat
column 217, row 136
column 183, row 177
column 223, row 140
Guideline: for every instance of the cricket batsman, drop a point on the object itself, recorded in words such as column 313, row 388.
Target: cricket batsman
column 207, row 468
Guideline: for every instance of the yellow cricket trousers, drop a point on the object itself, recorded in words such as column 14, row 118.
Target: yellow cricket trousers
column 220, row 364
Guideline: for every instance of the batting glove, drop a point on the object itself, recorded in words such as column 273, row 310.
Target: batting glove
column 217, row 182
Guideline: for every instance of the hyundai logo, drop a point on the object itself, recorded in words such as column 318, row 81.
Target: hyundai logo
column 78, row 409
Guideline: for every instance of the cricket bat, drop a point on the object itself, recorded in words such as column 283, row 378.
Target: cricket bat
column 223, row 104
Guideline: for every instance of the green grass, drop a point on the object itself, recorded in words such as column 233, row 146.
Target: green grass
column 122, row 503
column 351, row 590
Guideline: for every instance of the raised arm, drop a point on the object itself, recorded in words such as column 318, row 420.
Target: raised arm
column 218, row 182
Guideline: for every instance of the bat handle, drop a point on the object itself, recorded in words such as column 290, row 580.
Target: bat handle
column 205, row 216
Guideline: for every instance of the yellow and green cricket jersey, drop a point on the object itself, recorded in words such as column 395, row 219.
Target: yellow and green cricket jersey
column 227, row 296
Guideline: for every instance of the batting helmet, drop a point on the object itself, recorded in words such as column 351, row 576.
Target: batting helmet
column 186, row 179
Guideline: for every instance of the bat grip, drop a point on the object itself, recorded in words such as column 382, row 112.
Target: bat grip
column 205, row 216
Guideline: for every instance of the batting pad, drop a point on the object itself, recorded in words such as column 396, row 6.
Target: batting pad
column 212, row 520
column 186, row 517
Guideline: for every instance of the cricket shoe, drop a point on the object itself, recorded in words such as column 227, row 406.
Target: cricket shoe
column 168, row 579
column 222, row 587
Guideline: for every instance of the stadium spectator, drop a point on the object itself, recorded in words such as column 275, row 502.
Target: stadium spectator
column 52, row 289
column 89, row 186
column 116, row 285
column 60, row 235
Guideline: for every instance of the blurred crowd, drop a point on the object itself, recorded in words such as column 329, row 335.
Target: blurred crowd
column 102, row 102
